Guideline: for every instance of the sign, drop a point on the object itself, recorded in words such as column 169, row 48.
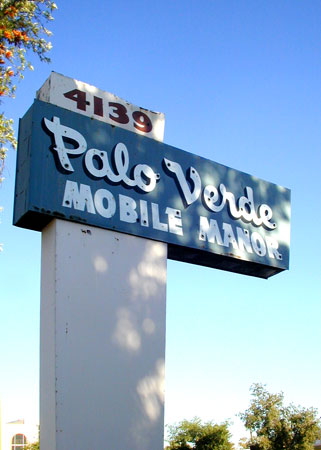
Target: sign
column 101, row 105
column 87, row 171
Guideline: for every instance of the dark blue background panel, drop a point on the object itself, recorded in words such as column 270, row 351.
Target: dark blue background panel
column 76, row 168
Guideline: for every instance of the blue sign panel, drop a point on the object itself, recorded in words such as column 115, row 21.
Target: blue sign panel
column 75, row 168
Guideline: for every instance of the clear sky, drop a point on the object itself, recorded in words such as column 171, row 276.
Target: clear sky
column 239, row 83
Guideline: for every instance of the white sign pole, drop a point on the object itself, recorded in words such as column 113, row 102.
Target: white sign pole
column 102, row 352
column 102, row 339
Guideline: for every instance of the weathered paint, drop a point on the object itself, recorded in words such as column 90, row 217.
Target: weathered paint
column 90, row 101
column 209, row 214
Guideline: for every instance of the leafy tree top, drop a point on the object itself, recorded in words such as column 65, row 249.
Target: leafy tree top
column 22, row 28
column 195, row 435
column 274, row 426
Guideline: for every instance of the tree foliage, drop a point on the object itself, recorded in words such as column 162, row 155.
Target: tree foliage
column 22, row 28
column 34, row 446
column 195, row 435
column 273, row 426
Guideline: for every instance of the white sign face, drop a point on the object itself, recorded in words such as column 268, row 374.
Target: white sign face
column 85, row 99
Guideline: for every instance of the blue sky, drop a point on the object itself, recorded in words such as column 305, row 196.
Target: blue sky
column 239, row 83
